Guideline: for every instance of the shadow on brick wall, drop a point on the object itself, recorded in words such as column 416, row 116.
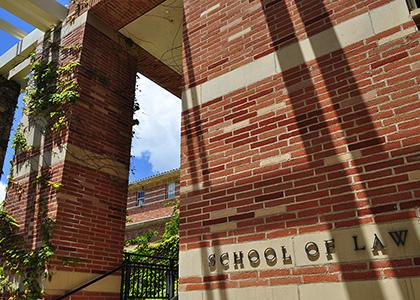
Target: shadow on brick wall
column 333, row 110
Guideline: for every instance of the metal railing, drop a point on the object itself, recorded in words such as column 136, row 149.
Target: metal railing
column 142, row 277
column 148, row 277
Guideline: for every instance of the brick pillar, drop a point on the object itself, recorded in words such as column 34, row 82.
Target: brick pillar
column 300, row 139
column 90, row 159
column 9, row 93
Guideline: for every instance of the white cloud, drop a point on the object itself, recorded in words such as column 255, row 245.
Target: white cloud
column 158, row 134
column 3, row 187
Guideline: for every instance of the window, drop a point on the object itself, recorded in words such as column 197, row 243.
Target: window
column 140, row 198
column 170, row 190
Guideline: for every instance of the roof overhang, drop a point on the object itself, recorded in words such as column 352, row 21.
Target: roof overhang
column 12, row 29
column 159, row 179
column 131, row 16
column 44, row 15
column 155, row 27
column 159, row 32
column 20, row 52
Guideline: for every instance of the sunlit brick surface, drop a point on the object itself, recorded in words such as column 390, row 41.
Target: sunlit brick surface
column 328, row 144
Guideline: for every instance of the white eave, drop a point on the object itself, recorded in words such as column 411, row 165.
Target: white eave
column 20, row 72
column 138, row 225
column 19, row 52
column 43, row 14
column 12, row 29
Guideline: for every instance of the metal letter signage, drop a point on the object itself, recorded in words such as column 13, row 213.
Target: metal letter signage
column 312, row 250
column 287, row 258
column 330, row 248
column 356, row 244
column 254, row 257
column 212, row 260
column 377, row 244
column 399, row 237
column 270, row 256
column 238, row 258
column 224, row 259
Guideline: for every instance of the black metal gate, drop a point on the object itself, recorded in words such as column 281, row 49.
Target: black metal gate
column 148, row 277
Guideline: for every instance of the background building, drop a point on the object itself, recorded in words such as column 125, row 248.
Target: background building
column 147, row 203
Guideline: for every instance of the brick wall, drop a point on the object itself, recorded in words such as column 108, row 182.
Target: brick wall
column 300, row 125
column 116, row 15
column 243, row 28
column 106, row 99
column 326, row 141
column 90, row 158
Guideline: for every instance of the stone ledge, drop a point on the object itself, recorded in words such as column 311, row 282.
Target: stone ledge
column 386, row 289
column 64, row 281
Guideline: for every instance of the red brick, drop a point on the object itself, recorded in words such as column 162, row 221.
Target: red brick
column 415, row 271
column 361, row 275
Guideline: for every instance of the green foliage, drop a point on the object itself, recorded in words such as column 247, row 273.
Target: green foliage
column 78, row 6
column 42, row 179
column 19, row 140
column 142, row 241
column 135, row 122
column 172, row 226
column 167, row 245
column 51, row 90
column 70, row 261
column 55, row 185
column 22, row 268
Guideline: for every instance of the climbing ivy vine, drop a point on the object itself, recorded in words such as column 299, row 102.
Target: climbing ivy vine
column 19, row 142
column 51, row 91
column 21, row 266
column 78, row 6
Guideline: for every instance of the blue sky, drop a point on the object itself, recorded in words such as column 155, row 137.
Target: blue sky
column 156, row 140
